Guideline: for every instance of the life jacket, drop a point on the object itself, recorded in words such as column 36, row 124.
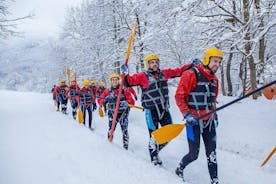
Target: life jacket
column 156, row 96
column 62, row 92
column 94, row 90
column 100, row 90
column 73, row 91
column 85, row 96
column 204, row 95
column 112, row 98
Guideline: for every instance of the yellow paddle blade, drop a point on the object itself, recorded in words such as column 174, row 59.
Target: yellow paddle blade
column 80, row 116
column 268, row 157
column 68, row 71
column 101, row 112
column 167, row 133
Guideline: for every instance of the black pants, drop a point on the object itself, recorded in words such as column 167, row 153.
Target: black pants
column 122, row 118
column 209, row 139
column 74, row 105
column 62, row 100
column 89, row 110
column 153, row 121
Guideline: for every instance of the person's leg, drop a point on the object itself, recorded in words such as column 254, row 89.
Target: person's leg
column 89, row 108
column 124, row 128
column 83, row 109
column 193, row 137
column 74, row 105
column 210, row 142
column 165, row 120
column 110, row 119
column 152, row 123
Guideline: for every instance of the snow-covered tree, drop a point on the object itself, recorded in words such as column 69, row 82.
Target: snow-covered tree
column 8, row 25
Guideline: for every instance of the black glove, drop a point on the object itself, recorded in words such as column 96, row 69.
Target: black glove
column 94, row 106
column 190, row 119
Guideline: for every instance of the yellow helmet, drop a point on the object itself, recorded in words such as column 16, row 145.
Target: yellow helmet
column 92, row 82
column 62, row 81
column 101, row 83
column 86, row 82
column 210, row 52
column 114, row 75
column 151, row 57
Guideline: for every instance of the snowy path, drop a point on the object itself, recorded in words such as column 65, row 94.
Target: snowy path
column 39, row 145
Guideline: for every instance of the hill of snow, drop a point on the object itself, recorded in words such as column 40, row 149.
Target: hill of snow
column 39, row 145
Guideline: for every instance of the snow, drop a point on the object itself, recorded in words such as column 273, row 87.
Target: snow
column 39, row 145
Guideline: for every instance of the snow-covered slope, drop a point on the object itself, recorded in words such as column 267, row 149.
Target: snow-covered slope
column 39, row 145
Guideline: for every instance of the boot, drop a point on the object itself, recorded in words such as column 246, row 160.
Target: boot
column 74, row 113
column 125, row 146
column 156, row 160
column 214, row 181
column 179, row 172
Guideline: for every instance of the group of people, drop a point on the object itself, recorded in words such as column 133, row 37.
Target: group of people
column 87, row 97
column 195, row 96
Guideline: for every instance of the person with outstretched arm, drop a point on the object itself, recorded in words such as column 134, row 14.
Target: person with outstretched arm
column 155, row 97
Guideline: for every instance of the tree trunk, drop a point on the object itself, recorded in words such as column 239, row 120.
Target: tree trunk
column 260, row 70
column 243, row 74
column 115, row 39
column 141, row 46
column 222, row 80
column 228, row 74
column 248, row 47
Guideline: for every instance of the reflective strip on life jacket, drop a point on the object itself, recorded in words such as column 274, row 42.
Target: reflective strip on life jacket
column 157, row 94
column 204, row 95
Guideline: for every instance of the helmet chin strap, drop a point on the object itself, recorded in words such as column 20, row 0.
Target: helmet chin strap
column 207, row 66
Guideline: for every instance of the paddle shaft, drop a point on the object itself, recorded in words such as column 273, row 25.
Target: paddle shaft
column 236, row 100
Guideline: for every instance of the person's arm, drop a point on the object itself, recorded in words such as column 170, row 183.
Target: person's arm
column 175, row 72
column 186, row 84
column 129, row 98
column 136, row 79
column 102, row 97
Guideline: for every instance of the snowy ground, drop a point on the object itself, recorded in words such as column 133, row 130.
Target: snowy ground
column 39, row 145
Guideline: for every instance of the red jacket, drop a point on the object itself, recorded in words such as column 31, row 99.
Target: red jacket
column 187, row 84
column 141, row 78
column 132, row 91
column 127, row 94
column 59, row 88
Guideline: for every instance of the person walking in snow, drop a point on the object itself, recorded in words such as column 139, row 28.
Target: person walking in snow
column 87, row 102
column 94, row 88
column 73, row 95
column 109, row 97
column 195, row 96
column 54, row 94
column 52, row 91
column 100, row 91
column 101, row 88
column 155, row 97
column 61, row 96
